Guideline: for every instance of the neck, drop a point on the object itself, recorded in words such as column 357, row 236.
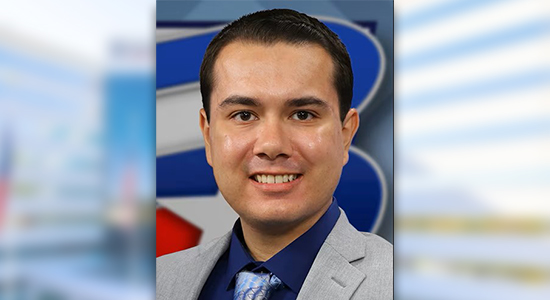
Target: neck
column 263, row 241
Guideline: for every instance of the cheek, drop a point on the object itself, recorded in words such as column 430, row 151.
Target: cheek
column 322, row 144
column 231, row 148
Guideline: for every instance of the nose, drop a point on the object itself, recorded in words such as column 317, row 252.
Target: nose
column 273, row 141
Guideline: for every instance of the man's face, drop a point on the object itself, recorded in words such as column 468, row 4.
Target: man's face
column 275, row 140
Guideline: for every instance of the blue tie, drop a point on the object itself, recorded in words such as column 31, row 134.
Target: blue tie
column 255, row 286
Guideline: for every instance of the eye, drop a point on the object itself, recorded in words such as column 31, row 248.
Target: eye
column 244, row 116
column 302, row 115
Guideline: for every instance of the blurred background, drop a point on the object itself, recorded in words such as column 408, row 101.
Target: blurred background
column 77, row 150
column 472, row 162
column 472, row 149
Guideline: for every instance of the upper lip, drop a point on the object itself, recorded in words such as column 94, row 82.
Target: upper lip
column 275, row 173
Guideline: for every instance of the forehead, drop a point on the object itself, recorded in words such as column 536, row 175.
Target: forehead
column 278, row 71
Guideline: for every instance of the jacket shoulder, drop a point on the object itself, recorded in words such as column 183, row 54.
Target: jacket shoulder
column 378, row 247
column 184, row 272
column 377, row 265
column 173, row 271
column 169, row 262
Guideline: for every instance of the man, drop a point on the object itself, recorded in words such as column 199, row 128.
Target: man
column 277, row 126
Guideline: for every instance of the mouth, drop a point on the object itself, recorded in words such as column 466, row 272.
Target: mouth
column 274, row 179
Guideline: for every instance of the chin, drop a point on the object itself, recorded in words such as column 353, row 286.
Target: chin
column 275, row 219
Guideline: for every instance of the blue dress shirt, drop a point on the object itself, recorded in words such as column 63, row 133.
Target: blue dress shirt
column 291, row 264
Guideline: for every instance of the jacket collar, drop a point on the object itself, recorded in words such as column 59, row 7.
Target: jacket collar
column 209, row 255
column 332, row 276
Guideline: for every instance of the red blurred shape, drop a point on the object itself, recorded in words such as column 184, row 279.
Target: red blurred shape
column 174, row 233
column 5, row 168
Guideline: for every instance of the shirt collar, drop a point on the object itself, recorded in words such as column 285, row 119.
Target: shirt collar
column 291, row 264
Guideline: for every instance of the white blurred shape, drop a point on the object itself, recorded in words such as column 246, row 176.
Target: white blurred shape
column 481, row 66
column 175, row 107
column 517, row 106
column 477, row 22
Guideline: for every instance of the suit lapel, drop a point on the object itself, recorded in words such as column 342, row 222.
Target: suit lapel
column 207, row 259
column 332, row 276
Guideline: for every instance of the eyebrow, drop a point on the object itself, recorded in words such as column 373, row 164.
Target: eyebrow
column 239, row 100
column 306, row 101
column 298, row 102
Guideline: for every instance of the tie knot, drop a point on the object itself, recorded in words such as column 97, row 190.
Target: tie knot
column 255, row 286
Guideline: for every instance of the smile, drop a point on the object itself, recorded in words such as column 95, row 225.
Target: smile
column 269, row 179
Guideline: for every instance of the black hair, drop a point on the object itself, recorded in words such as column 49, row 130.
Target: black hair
column 281, row 25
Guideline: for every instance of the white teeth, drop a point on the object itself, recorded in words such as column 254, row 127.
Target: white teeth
column 275, row 178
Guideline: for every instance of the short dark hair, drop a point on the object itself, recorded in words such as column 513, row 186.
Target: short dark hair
column 281, row 25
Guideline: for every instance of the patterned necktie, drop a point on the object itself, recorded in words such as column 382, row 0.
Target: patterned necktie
column 255, row 286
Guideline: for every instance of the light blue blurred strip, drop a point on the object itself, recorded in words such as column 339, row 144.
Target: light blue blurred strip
column 513, row 34
column 30, row 98
column 40, row 68
column 31, row 78
column 473, row 90
column 439, row 12
column 481, row 134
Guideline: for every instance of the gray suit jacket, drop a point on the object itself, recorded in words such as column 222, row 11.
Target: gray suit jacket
column 349, row 265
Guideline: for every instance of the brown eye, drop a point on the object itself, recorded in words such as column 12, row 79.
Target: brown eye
column 302, row 115
column 244, row 116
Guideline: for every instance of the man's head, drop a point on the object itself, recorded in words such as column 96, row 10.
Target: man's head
column 281, row 25
column 276, row 136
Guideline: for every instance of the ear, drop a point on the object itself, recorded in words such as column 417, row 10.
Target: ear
column 205, row 128
column 349, row 128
